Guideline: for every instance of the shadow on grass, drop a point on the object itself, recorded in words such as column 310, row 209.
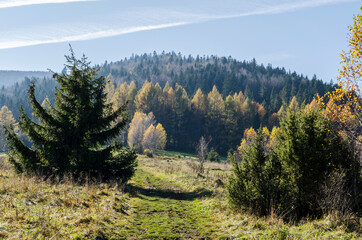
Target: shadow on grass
column 189, row 196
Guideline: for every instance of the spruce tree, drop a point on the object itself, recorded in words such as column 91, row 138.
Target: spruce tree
column 308, row 150
column 253, row 185
column 76, row 135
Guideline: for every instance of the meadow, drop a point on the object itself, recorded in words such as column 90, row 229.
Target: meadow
column 165, row 199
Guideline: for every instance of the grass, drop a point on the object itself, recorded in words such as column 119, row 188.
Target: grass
column 178, row 154
column 34, row 209
column 165, row 199
column 185, row 155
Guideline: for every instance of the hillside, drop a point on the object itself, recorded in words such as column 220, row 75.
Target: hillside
column 8, row 78
column 164, row 200
column 192, row 97
column 267, row 85
column 263, row 84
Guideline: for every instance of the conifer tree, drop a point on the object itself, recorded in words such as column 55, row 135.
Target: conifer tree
column 252, row 185
column 216, row 102
column 182, row 111
column 161, row 137
column 109, row 87
column 308, row 149
column 283, row 170
column 199, row 108
column 149, row 98
column 232, row 129
column 168, row 118
column 76, row 135
column 215, row 119
column 199, row 102
column 119, row 97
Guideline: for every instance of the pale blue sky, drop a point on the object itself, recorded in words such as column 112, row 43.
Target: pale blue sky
column 305, row 36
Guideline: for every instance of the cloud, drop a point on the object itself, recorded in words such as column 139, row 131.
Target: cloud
column 20, row 3
column 86, row 36
column 125, row 21
column 282, row 8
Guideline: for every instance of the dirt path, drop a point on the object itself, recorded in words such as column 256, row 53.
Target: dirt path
column 159, row 209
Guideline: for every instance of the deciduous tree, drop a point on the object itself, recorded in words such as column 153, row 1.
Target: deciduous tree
column 6, row 119
column 154, row 138
column 139, row 124
column 343, row 105
column 202, row 150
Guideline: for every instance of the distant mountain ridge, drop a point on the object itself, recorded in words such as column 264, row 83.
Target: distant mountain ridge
column 10, row 77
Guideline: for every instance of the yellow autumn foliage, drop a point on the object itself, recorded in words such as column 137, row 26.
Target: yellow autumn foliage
column 343, row 105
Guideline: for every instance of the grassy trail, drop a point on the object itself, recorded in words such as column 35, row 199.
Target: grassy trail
column 161, row 208
column 165, row 199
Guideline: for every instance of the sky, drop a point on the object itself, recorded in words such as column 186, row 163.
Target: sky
column 306, row 36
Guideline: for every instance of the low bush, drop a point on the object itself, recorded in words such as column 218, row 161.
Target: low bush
column 213, row 156
column 148, row 153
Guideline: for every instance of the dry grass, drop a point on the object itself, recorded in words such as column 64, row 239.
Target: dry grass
column 34, row 209
column 165, row 199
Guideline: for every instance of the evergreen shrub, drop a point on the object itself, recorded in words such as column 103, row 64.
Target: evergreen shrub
column 287, row 178
column 76, row 136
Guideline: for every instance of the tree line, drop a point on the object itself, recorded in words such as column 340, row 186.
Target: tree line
column 267, row 85
column 191, row 97
column 186, row 118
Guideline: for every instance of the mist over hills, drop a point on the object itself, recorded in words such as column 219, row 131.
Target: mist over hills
column 8, row 78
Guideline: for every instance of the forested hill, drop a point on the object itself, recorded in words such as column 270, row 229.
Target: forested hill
column 267, row 85
column 233, row 95
column 8, row 78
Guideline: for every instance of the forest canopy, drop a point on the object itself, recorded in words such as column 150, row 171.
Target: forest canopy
column 192, row 96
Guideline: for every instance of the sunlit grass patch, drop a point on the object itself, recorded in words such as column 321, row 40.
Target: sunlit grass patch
column 32, row 208
column 164, row 200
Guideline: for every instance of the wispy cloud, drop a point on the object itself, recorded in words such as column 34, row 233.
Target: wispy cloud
column 281, row 7
column 136, row 19
column 85, row 36
column 19, row 3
